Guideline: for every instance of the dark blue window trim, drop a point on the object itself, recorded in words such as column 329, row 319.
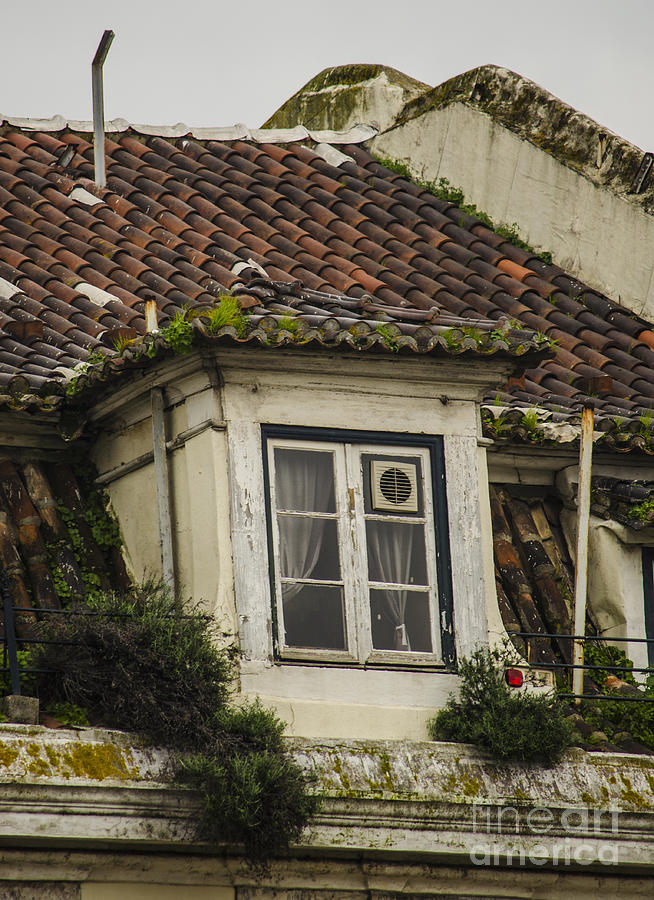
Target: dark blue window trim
column 433, row 443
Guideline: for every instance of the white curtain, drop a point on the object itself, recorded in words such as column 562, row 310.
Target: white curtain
column 390, row 547
column 304, row 481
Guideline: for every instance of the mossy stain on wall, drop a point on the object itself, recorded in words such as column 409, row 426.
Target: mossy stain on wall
column 8, row 755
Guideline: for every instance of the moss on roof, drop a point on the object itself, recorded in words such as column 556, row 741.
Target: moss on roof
column 328, row 99
column 535, row 115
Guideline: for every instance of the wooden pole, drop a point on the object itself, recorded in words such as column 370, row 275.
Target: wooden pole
column 583, row 524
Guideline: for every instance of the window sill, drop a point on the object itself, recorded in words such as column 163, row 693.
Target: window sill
column 441, row 668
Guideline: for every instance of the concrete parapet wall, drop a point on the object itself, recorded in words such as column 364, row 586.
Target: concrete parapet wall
column 390, row 800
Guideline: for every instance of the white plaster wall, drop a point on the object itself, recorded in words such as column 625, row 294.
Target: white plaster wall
column 602, row 238
column 199, row 494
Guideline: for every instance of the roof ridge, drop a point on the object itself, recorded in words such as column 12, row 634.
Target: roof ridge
column 358, row 134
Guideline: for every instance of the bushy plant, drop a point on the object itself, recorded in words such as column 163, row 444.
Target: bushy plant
column 615, row 716
column 511, row 724
column 255, row 793
column 146, row 662
column 27, row 678
column 143, row 662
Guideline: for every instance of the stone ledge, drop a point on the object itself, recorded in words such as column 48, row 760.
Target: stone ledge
column 394, row 800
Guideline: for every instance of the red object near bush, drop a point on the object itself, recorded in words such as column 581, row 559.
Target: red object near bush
column 514, row 677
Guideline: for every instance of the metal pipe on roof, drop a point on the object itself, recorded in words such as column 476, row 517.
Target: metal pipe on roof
column 583, row 527
column 98, row 106
column 151, row 325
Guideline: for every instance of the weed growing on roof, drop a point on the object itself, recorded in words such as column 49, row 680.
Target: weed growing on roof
column 450, row 338
column 496, row 424
column 450, row 194
column 95, row 356
column 530, row 420
column 227, row 312
column 147, row 662
column 74, row 385
column 388, row 337
column 642, row 512
column 503, row 425
column 122, row 343
column 511, row 724
column 645, row 423
column 475, row 334
column 289, row 323
column 179, row 333
column 497, row 334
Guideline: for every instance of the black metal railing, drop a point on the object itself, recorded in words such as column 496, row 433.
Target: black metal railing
column 12, row 643
column 590, row 667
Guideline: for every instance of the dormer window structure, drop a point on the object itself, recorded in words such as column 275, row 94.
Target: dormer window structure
column 358, row 563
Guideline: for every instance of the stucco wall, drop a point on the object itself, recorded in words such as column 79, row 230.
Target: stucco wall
column 198, row 486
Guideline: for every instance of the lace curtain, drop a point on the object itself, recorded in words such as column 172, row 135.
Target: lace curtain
column 390, row 549
column 304, row 482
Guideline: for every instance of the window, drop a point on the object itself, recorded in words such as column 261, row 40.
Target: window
column 357, row 572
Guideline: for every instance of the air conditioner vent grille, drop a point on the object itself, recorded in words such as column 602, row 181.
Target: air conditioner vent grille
column 395, row 485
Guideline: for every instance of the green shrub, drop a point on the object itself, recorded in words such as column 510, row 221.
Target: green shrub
column 146, row 662
column 69, row 714
column 27, row 678
column 511, row 724
column 252, row 793
column 614, row 716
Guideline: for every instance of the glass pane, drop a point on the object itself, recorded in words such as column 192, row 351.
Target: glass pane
column 304, row 480
column 396, row 552
column 308, row 548
column 400, row 621
column 314, row 616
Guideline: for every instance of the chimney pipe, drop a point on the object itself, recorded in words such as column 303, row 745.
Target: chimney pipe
column 151, row 316
column 98, row 106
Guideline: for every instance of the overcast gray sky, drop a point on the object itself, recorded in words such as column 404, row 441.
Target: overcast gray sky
column 210, row 62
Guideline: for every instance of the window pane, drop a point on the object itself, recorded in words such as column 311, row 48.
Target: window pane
column 396, row 552
column 308, row 548
column 304, row 480
column 313, row 616
column 400, row 621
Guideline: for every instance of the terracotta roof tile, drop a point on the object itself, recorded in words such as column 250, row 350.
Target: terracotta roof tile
column 177, row 215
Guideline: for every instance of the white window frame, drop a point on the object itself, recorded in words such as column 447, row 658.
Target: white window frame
column 351, row 517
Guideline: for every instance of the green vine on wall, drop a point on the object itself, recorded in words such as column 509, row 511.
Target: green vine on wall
column 105, row 531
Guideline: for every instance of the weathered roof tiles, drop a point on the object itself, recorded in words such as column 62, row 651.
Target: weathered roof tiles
column 180, row 217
